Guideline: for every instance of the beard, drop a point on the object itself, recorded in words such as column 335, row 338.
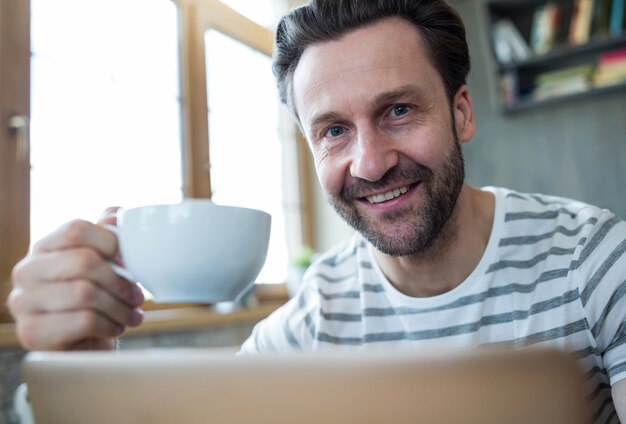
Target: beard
column 415, row 230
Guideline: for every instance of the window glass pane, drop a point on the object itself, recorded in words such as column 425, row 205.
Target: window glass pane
column 244, row 144
column 106, row 127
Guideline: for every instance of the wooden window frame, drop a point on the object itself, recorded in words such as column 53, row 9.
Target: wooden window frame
column 195, row 17
column 14, row 168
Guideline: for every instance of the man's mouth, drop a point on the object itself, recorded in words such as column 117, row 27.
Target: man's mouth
column 392, row 194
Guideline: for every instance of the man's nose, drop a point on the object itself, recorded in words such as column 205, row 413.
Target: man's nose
column 373, row 155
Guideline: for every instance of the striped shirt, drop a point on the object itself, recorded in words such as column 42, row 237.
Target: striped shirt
column 553, row 273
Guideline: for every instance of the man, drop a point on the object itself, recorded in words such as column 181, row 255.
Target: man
column 378, row 88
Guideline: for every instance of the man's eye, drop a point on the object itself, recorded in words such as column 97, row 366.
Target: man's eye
column 335, row 131
column 399, row 110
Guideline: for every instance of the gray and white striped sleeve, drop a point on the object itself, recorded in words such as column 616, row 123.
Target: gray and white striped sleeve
column 601, row 269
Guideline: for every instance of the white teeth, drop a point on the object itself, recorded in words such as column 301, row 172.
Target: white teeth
column 378, row 198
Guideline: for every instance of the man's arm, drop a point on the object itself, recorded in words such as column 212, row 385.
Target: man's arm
column 619, row 399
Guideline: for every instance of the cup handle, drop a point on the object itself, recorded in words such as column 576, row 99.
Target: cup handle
column 122, row 272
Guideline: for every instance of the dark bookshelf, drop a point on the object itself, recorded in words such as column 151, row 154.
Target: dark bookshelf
column 565, row 53
column 521, row 74
column 526, row 104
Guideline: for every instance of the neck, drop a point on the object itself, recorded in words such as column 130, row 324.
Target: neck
column 453, row 256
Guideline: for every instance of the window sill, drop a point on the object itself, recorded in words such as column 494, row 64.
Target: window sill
column 194, row 317
column 170, row 318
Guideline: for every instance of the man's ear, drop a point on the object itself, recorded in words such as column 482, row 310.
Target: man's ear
column 464, row 115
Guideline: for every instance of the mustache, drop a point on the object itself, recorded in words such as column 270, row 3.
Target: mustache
column 398, row 175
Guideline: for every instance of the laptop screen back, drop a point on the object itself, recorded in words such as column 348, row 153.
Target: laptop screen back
column 347, row 386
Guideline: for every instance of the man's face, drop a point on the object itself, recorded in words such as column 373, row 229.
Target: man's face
column 384, row 140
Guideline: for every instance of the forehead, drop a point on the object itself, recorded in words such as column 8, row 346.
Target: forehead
column 362, row 65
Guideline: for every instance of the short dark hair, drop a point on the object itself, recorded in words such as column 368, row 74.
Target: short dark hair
column 323, row 20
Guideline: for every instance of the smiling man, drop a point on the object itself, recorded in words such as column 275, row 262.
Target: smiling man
column 379, row 89
column 386, row 142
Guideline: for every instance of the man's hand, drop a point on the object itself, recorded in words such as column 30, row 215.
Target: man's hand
column 67, row 297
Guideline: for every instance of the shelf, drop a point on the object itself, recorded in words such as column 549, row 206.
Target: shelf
column 523, row 105
column 558, row 54
column 515, row 23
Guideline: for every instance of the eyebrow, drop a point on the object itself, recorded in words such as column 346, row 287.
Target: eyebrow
column 383, row 98
column 398, row 94
column 325, row 117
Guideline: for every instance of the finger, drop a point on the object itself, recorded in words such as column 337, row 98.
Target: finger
column 76, row 264
column 79, row 233
column 61, row 331
column 72, row 296
column 109, row 215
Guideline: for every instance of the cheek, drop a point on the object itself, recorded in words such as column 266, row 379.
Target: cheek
column 330, row 174
column 431, row 149
column 424, row 153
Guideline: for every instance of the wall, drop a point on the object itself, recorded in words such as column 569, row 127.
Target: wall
column 575, row 149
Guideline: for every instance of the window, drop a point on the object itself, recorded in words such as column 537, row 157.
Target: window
column 252, row 150
column 105, row 108
column 121, row 117
column 245, row 149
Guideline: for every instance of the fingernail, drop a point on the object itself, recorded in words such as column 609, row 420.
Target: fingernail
column 119, row 329
column 136, row 317
column 138, row 297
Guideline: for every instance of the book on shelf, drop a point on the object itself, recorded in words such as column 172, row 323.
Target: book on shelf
column 616, row 19
column 509, row 88
column 562, row 82
column 502, row 49
column 581, row 20
column 610, row 68
column 565, row 88
column 564, row 74
column 545, row 26
column 607, row 77
column 612, row 57
column 509, row 44
column 601, row 16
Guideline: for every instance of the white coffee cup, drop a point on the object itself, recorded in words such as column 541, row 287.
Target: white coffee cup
column 192, row 252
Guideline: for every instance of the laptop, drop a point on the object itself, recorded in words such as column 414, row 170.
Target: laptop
column 330, row 387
